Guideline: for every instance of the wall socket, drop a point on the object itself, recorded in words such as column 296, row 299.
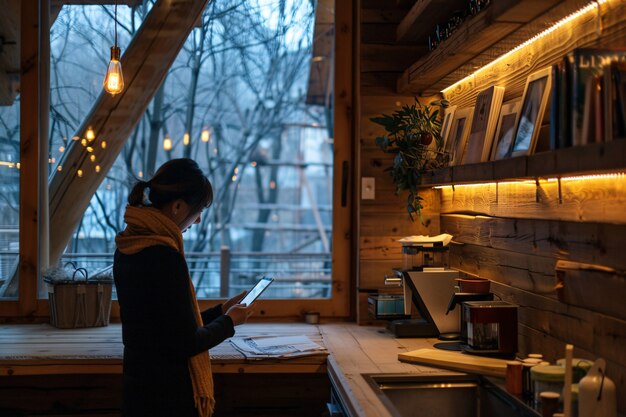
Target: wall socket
column 368, row 188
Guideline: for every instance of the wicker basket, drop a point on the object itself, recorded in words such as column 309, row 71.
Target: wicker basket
column 79, row 301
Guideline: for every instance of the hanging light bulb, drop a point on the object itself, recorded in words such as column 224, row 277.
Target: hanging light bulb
column 167, row 143
column 79, row 173
column 206, row 134
column 103, row 144
column 90, row 134
column 83, row 142
column 114, row 79
column 60, row 168
column 97, row 168
column 61, row 149
column 186, row 139
column 92, row 157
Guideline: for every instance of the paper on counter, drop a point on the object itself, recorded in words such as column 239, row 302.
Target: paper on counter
column 444, row 238
column 282, row 346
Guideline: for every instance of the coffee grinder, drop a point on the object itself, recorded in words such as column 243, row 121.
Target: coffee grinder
column 427, row 284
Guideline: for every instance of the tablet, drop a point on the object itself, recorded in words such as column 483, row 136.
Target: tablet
column 257, row 290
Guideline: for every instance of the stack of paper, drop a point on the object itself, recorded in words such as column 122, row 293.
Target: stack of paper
column 283, row 346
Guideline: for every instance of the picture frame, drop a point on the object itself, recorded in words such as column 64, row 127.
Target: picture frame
column 447, row 124
column 484, row 122
column 534, row 102
column 459, row 130
column 505, row 131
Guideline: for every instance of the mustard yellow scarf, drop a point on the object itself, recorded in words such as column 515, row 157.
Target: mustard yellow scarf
column 147, row 226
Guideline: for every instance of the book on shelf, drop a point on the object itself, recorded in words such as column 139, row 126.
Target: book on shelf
column 593, row 120
column 614, row 92
column 484, row 123
column 585, row 63
column 555, row 107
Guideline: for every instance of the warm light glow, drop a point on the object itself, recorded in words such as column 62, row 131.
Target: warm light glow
column 52, row 160
column 167, row 143
column 253, row 163
column 92, row 157
column 591, row 7
column 114, row 79
column 61, row 149
column 236, row 170
column 186, row 139
column 89, row 149
column 140, row 174
column 60, row 168
column 18, row 165
column 90, row 134
column 272, row 185
column 75, row 138
column 83, row 142
column 234, row 178
column 206, row 135
column 7, row 164
column 97, row 168
column 615, row 176
column 103, row 144
column 79, row 173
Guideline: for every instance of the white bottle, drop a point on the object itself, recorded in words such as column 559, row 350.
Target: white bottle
column 596, row 393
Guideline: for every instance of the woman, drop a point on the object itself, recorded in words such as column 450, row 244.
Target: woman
column 167, row 371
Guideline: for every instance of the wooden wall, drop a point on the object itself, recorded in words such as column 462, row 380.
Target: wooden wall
column 383, row 220
column 513, row 234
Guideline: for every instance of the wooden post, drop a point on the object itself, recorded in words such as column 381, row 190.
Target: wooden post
column 224, row 271
column 44, row 151
column 29, row 157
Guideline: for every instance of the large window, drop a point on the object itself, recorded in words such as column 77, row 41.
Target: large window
column 250, row 98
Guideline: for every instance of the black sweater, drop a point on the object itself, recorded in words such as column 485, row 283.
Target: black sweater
column 159, row 330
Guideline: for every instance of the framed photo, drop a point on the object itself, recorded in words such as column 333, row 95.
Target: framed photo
column 447, row 124
column 534, row 102
column 455, row 145
column 503, row 139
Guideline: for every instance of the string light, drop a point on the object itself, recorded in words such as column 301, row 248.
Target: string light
column 167, row 143
column 60, row 168
column 61, row 149
column 97, row 168
column 206, row 135
column 83, row 142
column 589, row 7
column 79, row 173
column 103, row 144
column 90, row 134
column 186, row 139
column 92, row 157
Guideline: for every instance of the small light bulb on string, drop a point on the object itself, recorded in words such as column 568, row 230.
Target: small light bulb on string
column 18, row 165
column 79, row 173
column 103, row 144
column 97, row 168
column 92, row 157
column 83, row 142
column 60, row 168
column 140, row 174
column 89, row 149
column 206, row 135
column 61, row 149
column 167, row 143
column 186, row 139
column 90, row 134
column 75, row 138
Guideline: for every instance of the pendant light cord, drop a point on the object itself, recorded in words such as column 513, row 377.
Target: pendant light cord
column 116, row 23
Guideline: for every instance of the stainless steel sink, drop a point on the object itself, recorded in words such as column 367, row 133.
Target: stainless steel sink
column 444, row 394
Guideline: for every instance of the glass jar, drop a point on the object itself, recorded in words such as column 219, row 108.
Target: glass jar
column 547, row 378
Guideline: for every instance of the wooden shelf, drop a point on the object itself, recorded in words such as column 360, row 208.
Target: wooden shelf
column 412, row 27
column 472, row 42
column 589, row 159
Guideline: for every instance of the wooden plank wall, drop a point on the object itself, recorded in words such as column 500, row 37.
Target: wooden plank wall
column 513, row 234
column 383, row 220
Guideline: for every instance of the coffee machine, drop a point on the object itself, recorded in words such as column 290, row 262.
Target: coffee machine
column 427, row 284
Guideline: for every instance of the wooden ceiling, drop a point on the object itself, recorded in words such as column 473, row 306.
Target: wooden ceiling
column 394, row 55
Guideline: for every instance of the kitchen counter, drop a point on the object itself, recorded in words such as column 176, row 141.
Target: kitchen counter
column 353, row 350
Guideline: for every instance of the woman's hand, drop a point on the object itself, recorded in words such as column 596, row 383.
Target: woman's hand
column 231, row 302
column 239, row 313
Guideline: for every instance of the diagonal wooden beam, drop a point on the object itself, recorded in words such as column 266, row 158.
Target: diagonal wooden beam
column 145, row 63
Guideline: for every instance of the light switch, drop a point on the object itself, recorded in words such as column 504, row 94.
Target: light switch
column 368, row 188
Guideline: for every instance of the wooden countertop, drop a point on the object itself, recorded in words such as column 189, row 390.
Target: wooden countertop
column 353, row 350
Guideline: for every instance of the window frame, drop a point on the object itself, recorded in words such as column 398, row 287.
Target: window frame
column 35, row 92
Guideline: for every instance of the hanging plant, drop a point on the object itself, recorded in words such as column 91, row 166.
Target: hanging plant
column 413, row 135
